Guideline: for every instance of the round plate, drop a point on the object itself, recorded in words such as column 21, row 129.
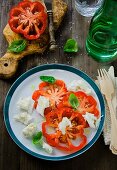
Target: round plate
column 25, row 85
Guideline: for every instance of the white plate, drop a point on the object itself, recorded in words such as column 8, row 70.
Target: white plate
column 25, row 86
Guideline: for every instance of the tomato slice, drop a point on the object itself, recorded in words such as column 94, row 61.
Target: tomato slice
column 52, row 118
column 64, row 141
column 28, row 18
column 86, row 103
column 36, row 95
column 80, row 146
column 70, row 147
column 65, row 101
column 54, row 92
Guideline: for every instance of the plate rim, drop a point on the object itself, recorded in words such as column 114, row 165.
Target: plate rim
column 42, row 68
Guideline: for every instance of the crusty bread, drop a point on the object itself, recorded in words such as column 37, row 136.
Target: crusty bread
column 59, row 8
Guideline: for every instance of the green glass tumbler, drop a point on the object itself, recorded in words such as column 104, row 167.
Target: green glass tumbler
column 101, row 42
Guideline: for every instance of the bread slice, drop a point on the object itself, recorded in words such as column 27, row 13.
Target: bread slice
column 59, row 8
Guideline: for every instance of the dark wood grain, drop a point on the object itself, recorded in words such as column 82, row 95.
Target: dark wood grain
column 98, row 157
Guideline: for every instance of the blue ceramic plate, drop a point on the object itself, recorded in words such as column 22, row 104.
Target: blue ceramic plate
column 25, row 85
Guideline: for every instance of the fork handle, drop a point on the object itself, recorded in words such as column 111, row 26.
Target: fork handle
column 113, row 143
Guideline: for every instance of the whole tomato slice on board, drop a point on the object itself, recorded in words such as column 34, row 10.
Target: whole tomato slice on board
column 54, row 92
column 64, row 141
column 28, row 18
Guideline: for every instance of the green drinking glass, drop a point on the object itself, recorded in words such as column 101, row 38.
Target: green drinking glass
column 101, row 42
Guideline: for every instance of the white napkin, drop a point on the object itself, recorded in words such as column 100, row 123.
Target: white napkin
column 107, row 123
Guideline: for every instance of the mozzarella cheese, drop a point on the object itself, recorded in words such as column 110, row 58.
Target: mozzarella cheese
column 43, row 103
column 76, row 85
column 47, row 148
column 30, row 130
column 23, row 117
column 26, row 104
column 63, row 124
column 92, row 120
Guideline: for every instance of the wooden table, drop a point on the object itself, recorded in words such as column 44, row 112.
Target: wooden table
column 98, row 157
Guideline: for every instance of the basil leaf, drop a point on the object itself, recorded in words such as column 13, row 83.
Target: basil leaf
column 71, row 46
column 48, row 79
column 38, row 138
column 17, row 46
column 73, row 101
column 38, row 141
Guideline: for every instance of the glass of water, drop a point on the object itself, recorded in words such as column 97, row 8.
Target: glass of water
column 87, row 7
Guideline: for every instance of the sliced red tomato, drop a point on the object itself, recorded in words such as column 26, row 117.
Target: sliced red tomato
column 52, row 118
column 54, row 92
column 64, row 141
column 28, row 18
column 86, row 103
column 35, row 97
column 47, row 110
column 65, row 101
column 70, row 147
column 96, row 112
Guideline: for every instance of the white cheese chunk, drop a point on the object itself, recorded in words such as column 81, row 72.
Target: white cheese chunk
column 26, row 104
column 30, row 130
column 76, row 85
column 43, row 103
column 92, row 120
column 63, row 124
column 47, row 148
column 23, row 117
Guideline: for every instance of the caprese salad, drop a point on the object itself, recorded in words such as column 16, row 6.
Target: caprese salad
column 67, row 109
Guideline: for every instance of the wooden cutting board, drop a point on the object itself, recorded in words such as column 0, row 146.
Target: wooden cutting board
column 9, row 62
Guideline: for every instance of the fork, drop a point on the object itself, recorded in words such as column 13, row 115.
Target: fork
column 107, row 88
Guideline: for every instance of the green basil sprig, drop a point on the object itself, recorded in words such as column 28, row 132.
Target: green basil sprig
column 73, row 101
column 48, row 79
column 17, row 46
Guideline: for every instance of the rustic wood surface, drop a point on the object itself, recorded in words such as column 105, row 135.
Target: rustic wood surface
column 98, row 157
